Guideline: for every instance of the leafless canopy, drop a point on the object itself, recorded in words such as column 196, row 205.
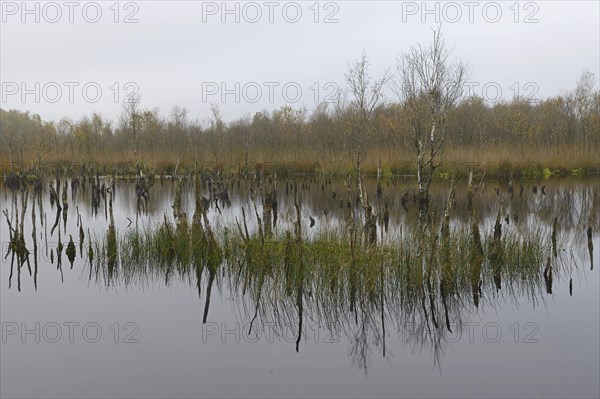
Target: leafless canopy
column 429, row 87
column 131, row 118
column 367, row 94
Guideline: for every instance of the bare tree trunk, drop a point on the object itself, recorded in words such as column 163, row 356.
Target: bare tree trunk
column 430, row 89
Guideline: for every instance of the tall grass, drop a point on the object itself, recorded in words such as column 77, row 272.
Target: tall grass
column 329, row 265
column 338, row 281
column 497, row 160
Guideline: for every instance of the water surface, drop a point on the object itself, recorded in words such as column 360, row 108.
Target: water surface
column 520, row 341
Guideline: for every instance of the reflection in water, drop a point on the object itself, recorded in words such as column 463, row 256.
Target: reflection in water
column 589, row 241
column 17, row 247
column 309, row 260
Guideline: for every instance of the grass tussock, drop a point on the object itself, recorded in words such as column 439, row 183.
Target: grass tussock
column 330, row 266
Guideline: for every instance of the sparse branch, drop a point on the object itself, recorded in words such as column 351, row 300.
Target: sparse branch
column 430, row 88
column 132, row 117
column 367, row 93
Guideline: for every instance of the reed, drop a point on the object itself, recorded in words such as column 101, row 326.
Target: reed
column 498, row 161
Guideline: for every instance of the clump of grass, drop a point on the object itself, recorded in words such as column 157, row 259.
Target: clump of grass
column 336, row 278
column 327, row 264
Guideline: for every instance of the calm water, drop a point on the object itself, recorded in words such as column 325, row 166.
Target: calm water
column 73, row 336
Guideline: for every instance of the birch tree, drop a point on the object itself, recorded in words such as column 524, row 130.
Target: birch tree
column 367, row 94
column 429, row 86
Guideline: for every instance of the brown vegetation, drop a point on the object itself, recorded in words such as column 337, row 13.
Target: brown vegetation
column 561, row 132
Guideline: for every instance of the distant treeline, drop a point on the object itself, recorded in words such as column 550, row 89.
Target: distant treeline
column 561, row 132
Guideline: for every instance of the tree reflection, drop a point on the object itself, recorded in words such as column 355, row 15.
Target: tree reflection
column 418, row 285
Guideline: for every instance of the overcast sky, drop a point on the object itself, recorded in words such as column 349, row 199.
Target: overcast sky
column 82, row 57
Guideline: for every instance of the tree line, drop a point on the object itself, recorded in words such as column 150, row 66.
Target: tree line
column 383, row 129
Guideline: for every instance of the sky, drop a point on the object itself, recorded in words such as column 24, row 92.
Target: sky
column 73, row 58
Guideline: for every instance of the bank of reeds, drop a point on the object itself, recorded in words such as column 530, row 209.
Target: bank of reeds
column 497, row 161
